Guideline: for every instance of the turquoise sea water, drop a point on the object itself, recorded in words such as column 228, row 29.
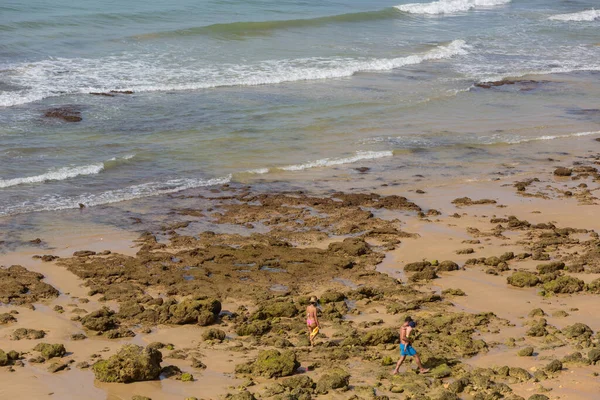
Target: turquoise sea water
column 244, row 90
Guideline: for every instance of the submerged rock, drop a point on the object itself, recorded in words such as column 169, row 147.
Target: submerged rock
column 562, row 171
column 131, row 364
column 66, row 113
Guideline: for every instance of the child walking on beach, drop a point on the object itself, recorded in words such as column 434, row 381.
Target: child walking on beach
column 406, row 348
column 312, row 321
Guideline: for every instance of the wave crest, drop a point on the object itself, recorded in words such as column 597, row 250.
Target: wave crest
column 59, row 77
column 448, row 6
column 583, row 16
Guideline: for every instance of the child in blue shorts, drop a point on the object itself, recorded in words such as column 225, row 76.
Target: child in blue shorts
column 406, row 348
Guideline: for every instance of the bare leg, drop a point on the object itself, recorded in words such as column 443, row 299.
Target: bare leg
column 309, row 338
column 418, row 361
column 398, row 364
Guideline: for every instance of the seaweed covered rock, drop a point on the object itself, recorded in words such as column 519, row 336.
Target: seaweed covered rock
column 379, row 336
column 441, row 371
column 351, row 246
column 538, row 397
column 331, row 296
column 417, row 266
column 6, row 318
column 201, row 312
column 447, row 265
column 426, row 274
column 577, row 331
column 254, row 328
column 50, row 350
column 519, row 374
column 335, row 378
column 271, row 364
column 3, row 358
column 563, row 171
column 525, row 352
column 553, row 366
column 594, row 355
column 24, row 333
column 523, row 279
column 564, row 284
column 100, row 320
column 214, row 334
column 277, row 309
column 453, row 292
column 131, row 364
column 594, row 286
column 19, row 286
column 550, row 267
column 243, row 395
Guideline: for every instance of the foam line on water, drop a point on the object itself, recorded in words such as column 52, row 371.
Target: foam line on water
column 582, row 16
column 57, row 202
column 328, row 162
column 144, row 73
column 448, row 6
column 63, row 173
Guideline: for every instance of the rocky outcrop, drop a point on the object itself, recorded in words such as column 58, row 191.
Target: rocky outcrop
column 131, row 364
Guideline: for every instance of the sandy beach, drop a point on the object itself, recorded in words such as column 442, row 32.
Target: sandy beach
column 502, row 277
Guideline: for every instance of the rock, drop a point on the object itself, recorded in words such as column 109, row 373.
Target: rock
column 351, row 246
column 560, row 314
column 3, row 358
column 78, row 336
column 519, row 373
column 536, row 312
column 279, row 309
column 214, row 334
column 577, row 330
column 187, row 377
column 594, row 355
column 13, row 355
column 254, row 328
column 525, row 352
column 100, row 320
column 564, row 284
column 465, row 251
column 426, row 274
column 271, row 364
column 7, row 318
column 538, row 397
column 453, row 292
column 193, row 311
column 562, row 171
column 331, row 296
column 66, row 113
column 592, row 287
column 379, row 336
column 466, row 201
column 492, row 261
column 538, row 329
column 50, row 350
column 299, row 382
column 24, row 333
column 244, row 395
column 131, row 364
column 447, row 265
column 84, row 253
column 509, row 255
column 551, row 267
column 522, row 279
column 21, row 286
column 441, row 371
column 57, row 366
column 83, row 365
column 119, row 333
column 335, row 378
column 553, row 366
column 417, row 266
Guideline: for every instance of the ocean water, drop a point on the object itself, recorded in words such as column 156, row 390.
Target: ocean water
column 253, row 90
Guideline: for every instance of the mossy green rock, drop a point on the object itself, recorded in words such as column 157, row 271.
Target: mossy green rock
column 100, row 320
column 594, row 286
column 279, row 309
column 417, row 266
column 300, row 381
column 577, row 330
column 564, row 284
column 245, row 395
column 453, row 292
column 336, row 378
column 201, row 312
column 525, row 352
column 50, row 350
column 271, row 364
column 131, row 364
column 523, row 279
column 538, row 397
column 447, row 265
column 553, row 366
column 214, row 334
column 3, row 358
column 594, row 355
column 536, row 312
column 140, row 398
column 441, row 371
column 331, row 296
column 519, row 373
column 187, row 377
column 379, row 336
column 254, row 328
column 550, row 267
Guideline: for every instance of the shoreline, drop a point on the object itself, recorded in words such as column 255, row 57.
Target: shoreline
column 440, row 235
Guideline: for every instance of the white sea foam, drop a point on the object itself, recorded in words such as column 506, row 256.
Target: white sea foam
column 448, row 6
column 583, row 16
column 55, row 175
column 60, row 76
column 328, row 162
column 551, row 137
column 56, row 202
column 61, row 174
